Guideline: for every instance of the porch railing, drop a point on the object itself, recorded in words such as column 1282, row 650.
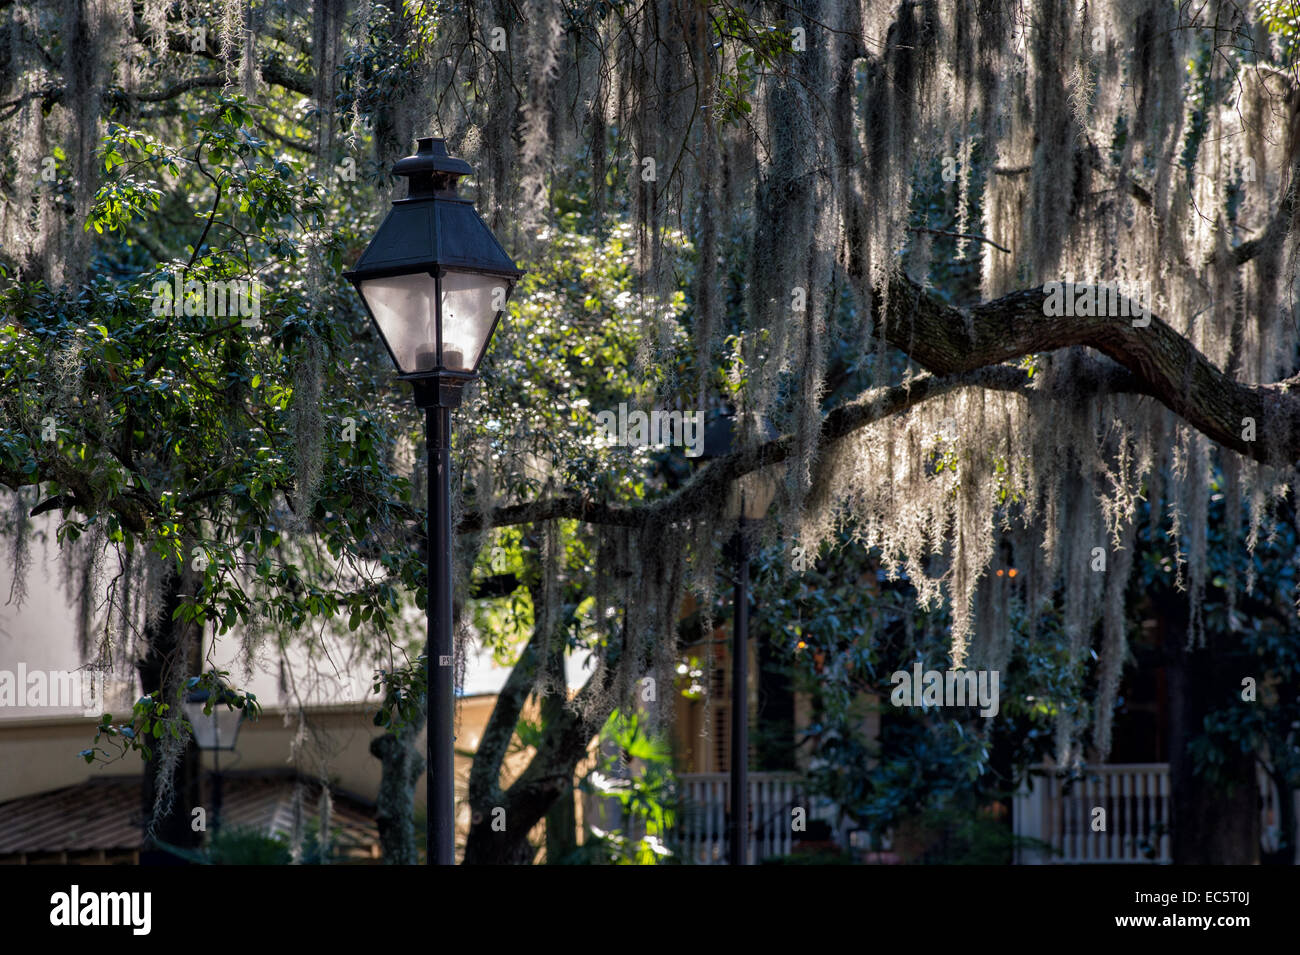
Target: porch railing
column 1135, row 797
column 1058, row 812
column 705, row 801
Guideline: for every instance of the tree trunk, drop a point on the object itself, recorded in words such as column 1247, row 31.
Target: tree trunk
column 561, row 829
column 1211, row 825
column 401, row 765
column 561, row 819
column 499, row 835
column 501, row 821
column 171, row 643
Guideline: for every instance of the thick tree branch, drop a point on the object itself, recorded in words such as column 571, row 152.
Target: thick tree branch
column 1277, row 227
column 969, row 347
column 949, row 341
column 963, row 235
column 271, row 70
column 269, row 66
column 709, row 485
column 485, row 772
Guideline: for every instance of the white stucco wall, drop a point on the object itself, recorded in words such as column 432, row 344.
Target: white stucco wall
column 41, row 635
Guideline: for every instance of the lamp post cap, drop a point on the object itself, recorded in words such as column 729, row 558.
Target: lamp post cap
column 431, row 158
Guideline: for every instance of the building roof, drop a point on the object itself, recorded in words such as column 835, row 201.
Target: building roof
column 103, row 815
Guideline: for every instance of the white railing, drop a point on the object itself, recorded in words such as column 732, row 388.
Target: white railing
column 1060, row 813
column 701, row 831
column 1135, row 797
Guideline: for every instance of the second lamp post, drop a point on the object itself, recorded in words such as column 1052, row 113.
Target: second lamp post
column 747, row 504
column 435, row 281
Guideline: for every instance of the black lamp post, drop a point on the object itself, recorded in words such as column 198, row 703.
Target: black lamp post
column 434, row 281
column 213, row 732
column 747, row 504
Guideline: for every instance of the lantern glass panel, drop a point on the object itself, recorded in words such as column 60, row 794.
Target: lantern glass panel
column 470, row 304
column 751, row 496
column 403, row 307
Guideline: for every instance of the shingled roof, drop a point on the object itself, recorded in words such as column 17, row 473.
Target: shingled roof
column 99, row 820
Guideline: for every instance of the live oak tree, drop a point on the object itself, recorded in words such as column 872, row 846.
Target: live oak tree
column 766, row 165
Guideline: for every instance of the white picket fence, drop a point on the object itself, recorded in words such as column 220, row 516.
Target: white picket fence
column 701, row 832
column 1136, row 799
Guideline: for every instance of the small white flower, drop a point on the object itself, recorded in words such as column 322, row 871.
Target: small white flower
column 656, row 846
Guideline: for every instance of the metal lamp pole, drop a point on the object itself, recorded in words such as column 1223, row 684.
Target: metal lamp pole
column 748, row 502
column 438, row 394
column 738, row 842
column 216, row 790
column 439, row 716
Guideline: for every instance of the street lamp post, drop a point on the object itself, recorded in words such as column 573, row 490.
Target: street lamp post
column 747, row 503
column 213, row 732
column 434, row 281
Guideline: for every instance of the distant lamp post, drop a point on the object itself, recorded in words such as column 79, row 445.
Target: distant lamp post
column 434, row 280
column 213, row 732
column 748, row 501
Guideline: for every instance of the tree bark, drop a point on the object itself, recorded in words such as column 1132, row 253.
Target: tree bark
column 561, row 818
column 547, row 778
column 171, row 644
column 401, row 765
